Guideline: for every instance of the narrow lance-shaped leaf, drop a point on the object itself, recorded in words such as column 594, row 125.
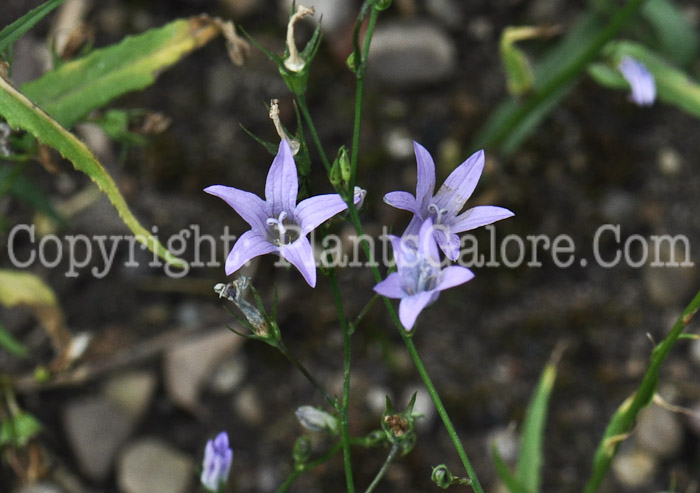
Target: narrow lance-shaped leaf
column 14, row 31
column 529, row 465
column 21, row 113
column 71, row 91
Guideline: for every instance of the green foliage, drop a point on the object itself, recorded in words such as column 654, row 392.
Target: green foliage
column 11, row 344
column 515, row 120
column 677, row 38
column 527, row 478
column 22, row 113
column 14, row 31
column 673, row 86
column 519, row 76
column 18, row 430
column 71, row 91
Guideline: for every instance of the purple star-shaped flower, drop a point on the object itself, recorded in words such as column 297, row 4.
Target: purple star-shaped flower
column 217, row 463
column 278, row 223
column 443, row 207
column 640, row 80
column 419, row 278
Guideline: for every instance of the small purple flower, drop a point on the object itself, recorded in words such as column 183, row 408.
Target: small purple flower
column 278, row 223
column 419, row 279
column 443, row 207
column 640, row 80
column 217, row 463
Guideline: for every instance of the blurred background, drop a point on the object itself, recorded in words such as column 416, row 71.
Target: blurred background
column 162, row 374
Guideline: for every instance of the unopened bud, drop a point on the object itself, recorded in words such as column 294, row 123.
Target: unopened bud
column 314, row 419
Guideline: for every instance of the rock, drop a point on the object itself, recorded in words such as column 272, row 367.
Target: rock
column 132, row 392
column 188, row 365
column 505, row 441
column 96, row 428
column 446, row 11
column 659, row 432
column 228, row 375
column 695, row 352
column 248, row 406
column 42, row 487
column 669, row 161
column 635, row 468
column 667, row 276
column 335, row 14
column 409, row 53
column 618, row 206
column 152, row 466
column 693, row 419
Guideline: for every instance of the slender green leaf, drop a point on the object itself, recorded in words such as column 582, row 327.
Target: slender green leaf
column 11, row 344
column 529, row 465
column 22, row 113
column 624, row 418
column 513, row 120
column 677, row 37
column 71, row 91
column 14, row 31
column 512, row 483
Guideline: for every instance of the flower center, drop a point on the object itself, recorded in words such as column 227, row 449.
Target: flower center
column 282, row 231
column 424, row 279
column 436, row 214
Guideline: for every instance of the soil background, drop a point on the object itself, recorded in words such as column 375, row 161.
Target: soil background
column 597, row 159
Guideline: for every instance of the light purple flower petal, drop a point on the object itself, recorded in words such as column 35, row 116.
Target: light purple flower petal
column 411, row 306
column 479, row 216
column 390, row 287
column 217, row 462
column 425, row 182
column 248, row 205
column 282, row 184
column 460, row 185
column 250, row 245
column 301, row 255
column 641, row 81
column 426, row 243
column 311, row 212
column 448, row 241
column 454, row 275
column 402, row 200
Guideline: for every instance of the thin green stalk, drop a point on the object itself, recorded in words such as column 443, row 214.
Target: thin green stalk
column 624, row 419
column 363, row 312
column 314, row 135
column 572, row 71
column 283, row 349
column 432, row 391
column 390, row 458
column 344, row 425
column 359, row 93
column 298, row 471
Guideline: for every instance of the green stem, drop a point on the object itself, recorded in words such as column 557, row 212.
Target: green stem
column 314, row 135
column 344, row 425
column 432, row 391
column 359, row 93
column 390, row 458
column 298, row 471
column 283, row 349
column 566, row 75
column 624, row 419
column 363, row 312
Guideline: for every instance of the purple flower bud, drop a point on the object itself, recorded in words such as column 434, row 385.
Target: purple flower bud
column 640, row 80
column 217, row 463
